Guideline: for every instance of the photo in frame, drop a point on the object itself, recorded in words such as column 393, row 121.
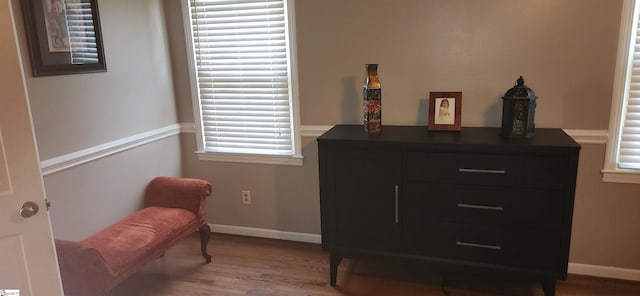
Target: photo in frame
column 63, row 36
column 445, row 111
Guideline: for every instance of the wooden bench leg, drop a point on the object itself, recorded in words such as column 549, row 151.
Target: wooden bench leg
column 205, row 232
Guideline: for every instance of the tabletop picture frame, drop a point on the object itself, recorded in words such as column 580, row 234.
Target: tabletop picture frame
column 445, row 110
column 64, row 36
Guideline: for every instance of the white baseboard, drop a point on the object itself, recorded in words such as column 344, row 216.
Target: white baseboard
column 574, row 268
column 605, row 271
column 267, row 233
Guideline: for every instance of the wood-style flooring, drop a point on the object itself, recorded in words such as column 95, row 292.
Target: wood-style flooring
column 265, row 267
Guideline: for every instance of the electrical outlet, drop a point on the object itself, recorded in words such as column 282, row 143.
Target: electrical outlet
column 246, row 197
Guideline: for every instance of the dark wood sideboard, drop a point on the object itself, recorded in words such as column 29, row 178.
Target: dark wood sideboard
column 462, row 201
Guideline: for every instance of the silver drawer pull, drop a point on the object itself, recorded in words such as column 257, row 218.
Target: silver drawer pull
column 482, row 171
column 465, row 244
column 480, row 207
column 396, row 193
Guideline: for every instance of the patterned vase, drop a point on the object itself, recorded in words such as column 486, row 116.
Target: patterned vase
column 372, row 101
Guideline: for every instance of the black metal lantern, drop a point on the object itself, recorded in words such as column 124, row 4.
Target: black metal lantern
column 518, row 111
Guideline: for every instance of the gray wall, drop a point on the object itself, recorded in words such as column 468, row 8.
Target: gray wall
column 566, row 51
column 135, row 95
column 88, row 198
column 283, row 197
column 606, row 219
column 76, row 112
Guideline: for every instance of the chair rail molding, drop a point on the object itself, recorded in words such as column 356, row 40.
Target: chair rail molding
column 63, row 162
column 588, row 136
column 67, row 161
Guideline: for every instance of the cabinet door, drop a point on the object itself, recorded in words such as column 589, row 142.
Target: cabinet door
column 362, row 200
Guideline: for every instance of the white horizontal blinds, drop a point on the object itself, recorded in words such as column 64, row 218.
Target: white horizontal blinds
column 243, row 78
column 629, row 155
column 82, row 36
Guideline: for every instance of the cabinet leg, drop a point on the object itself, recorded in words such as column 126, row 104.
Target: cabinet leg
column 334, row 261
column 549, row 287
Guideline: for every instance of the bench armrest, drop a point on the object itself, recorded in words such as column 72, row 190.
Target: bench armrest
column 82, row 269
column 184, row 193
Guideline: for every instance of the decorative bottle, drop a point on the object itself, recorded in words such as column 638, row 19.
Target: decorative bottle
column 372, row 101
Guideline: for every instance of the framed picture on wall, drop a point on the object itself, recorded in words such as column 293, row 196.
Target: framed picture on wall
column 64, row 36
column 445, row 111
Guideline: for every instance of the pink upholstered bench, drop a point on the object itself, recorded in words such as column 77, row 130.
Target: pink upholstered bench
column 174, row 209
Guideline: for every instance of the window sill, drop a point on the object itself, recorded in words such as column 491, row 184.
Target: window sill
column 621, row 176
column 251, row 158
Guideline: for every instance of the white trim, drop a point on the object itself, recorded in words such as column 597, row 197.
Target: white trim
column 293, row 86
column 574, row 268
column 63, row 162
column 188, row 128
column 250, row 158
column 621, row 176
column 605, row 271
column 314, row 130
column 588, row 136
column 620, row 80
column 193, row 78
column 294, row 89
column 579, row 135
column 8, row 189
column 73, row 159
column 267, row 233
column 305, row 131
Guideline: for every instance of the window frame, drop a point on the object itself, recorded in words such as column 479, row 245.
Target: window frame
column 624, row 61
column 296, row 158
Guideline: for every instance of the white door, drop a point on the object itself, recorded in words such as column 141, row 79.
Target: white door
column 27, row 253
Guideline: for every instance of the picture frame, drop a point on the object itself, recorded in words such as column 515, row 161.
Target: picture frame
column 445, row 110
column 64, row 36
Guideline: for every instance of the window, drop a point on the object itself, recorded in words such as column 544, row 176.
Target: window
column 242, row 80
column 82, row 36
column 622, row 163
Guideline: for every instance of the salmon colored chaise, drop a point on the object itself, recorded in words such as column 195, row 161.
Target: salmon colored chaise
column 174, row 209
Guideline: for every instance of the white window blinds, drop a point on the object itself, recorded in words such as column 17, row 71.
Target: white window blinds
column 82, row 36
column 629, row 153
column 243, row 75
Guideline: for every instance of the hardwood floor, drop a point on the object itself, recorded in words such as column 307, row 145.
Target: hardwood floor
column 255, row 266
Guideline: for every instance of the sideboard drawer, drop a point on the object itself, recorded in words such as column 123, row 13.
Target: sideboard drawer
column 483, row 205
column 488, row 169
column 508, row 247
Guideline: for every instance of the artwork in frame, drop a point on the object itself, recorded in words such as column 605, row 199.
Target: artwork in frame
column 445, row 111
column 64, row 36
